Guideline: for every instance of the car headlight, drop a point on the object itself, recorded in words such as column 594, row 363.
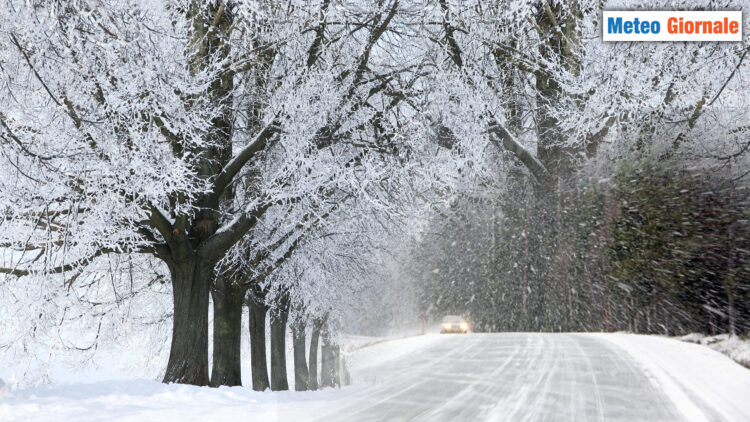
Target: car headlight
column 464, row 326
column 447, row 326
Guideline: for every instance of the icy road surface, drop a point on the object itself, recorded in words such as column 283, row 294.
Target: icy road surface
column 474, row 377
column 551, row 377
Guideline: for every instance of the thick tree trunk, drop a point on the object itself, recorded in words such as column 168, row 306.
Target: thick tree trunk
column 188, row 356
column 326, row 364
column 336, row 365
column 258, row 358
column 191, row 275
column 344, row 376
column 278, row 349
column 312, row 378
column 329, row 366
column 301, row 374
column 563, row 44
column 228, row 299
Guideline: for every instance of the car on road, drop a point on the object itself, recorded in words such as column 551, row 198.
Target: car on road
column 454, row 324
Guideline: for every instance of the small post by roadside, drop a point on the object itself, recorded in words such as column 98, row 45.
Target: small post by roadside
column 606, row 316
column 422, row 315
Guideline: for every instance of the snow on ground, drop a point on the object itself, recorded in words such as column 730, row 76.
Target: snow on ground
column 705, row 384
column 382, row 350
column 735, row 347
column 474, row 377
column 142, row 400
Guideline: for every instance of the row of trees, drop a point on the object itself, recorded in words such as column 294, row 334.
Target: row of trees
column 244, row 146
column 276, row 155
column 547, row 241
column 657, row 248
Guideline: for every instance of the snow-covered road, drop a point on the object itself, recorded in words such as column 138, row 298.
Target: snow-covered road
column 475, row 377
column 548, row 377
column 512, row 377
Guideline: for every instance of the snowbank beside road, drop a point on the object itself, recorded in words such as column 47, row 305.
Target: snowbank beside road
column 386, row 349
column 144, row 400
column 732, row 346
column 705, row 384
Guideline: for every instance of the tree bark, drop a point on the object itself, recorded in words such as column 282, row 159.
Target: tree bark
column 191, row 274
column 329, row 367
column 278, row 349
column 344, row 375
column 301, row 374
column 562, row 45
column 188, row 356
column 258, row 362
column 312, row 378
column 228, row 298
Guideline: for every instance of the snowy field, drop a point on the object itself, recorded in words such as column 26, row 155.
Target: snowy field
column 475, row 377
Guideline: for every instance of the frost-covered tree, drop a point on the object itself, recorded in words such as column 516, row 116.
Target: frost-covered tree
column 275, row 153
column 535, row 84
column 118, row 139
column 216, row 138
column 172, row 128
